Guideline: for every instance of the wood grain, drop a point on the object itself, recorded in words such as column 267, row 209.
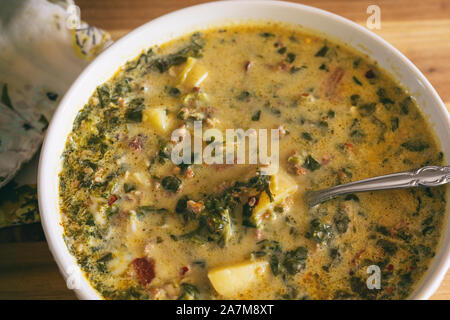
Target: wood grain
column 419, row 29
column 28, row 271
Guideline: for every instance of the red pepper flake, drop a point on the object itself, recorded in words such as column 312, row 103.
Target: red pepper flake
column 252, row 201
column 305, row 94
column 184, row 270
column 145, row 269
column 390, row 267
column 348, row 145
column 389, row 290
column 247, row 66
column 112, row 199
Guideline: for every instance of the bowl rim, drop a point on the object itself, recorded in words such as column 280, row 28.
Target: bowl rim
column 48, row 198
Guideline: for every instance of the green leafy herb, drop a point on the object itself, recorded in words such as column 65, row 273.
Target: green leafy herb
column 243, row 95
column 367, row 109
column 354, row 99
column 415, row 145
column 174, row 92
column 282, row 50
column 128, row 187
column 295, row 260
column 341, row 221
column 311, row 163
column 134, row 111
column 189, row 292
column 388, row 246
column 192, row 49
column 266, row 35
column 307, row 136
column 394, row 123
column 256, row 116
column 322, row 52
column 290, row 57
column 5, row 97
column 405, row 105
column 171, row 183
column 356, row 80
column 320, row 232
column 143, row 210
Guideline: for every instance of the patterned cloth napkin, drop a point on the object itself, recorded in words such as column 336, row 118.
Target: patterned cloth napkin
column 43, row 48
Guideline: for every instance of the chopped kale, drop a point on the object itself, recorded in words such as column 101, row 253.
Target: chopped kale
column 320, row 232
column 388, row 246
column 5, row 99
column 52, row 96
column 134, row 111
column 192, row 49
column 367, row 109
column 359, row 287
column 415, row 145
column 311, row 163
column 341, row 221
column 354, row 99
column 351, row 196
column 171, row 183
column 282, row 50
column 127, row 187
column 143, row 210
column 307, row 136
column 266, row 35
column 174, row 92
column 243, row 95
column 356, row 80
column 394, row 123
column 256, row 116
column 405, row 105
column 295, row 260
column 189, row 292
column 322, row 52
column 290, row 57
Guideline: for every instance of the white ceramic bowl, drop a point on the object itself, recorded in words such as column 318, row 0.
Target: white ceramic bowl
column 201, row 16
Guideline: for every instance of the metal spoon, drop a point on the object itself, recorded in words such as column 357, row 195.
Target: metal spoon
column 430, row 176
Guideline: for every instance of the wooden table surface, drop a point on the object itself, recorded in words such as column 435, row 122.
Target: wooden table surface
column 420, row 29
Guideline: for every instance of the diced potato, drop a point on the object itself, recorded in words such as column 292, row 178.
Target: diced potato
column 196, row 76
column 186, row 69
column 281, row 186
column 193, row 73
column 140, row 178
column 230, row 281
column 157, row 118
column 120, row 262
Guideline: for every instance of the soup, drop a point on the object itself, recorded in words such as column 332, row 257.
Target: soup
column 144, row 227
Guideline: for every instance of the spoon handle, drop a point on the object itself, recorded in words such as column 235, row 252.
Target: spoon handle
column 429, row 176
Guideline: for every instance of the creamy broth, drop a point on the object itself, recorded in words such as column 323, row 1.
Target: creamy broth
column 142, row 227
